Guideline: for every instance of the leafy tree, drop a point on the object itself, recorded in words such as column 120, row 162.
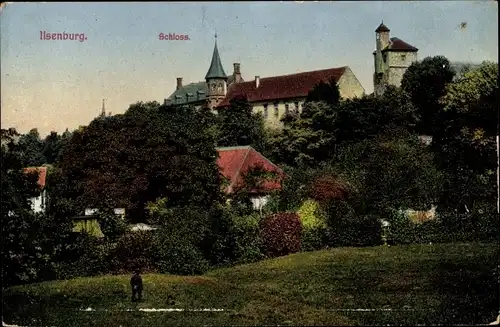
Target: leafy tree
column 425, row 81
column 369, row 116
column 52, row 145
column 317, row 135
column 22, row 254
column 465, row 144
column 147, row 153
column 308, row 139
column 386, row 173
column 31, row 147
column 238, row 125
column 325, row 92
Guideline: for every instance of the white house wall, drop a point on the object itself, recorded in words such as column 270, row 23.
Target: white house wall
column 349, row 85
column 272, row 119
column 38, row 203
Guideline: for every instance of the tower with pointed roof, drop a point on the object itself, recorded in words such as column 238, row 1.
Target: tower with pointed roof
column 392, row 58
column 216, row 80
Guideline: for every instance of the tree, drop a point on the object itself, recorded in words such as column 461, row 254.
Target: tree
column 390, row 172
column 238, row 125
column 325, row 92
column 52, row 145
column 149, row 152
column 307, row 140
column 22, row 254
column 425, row 81
column 465, row 144
column 31, row 147
column 317, row 135
column 367, row 117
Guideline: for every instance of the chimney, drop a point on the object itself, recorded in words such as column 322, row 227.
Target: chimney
column 257, row 81
column 237, row 72
column 236, row 66
column 179, row 82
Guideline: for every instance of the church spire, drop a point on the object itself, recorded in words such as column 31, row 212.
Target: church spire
column 103, row 110
column 216, row 70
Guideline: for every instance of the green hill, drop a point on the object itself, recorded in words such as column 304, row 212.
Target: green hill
column 404, row 285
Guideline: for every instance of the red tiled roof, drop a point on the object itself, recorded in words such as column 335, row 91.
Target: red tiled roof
column 234, row 162
column 282, row 87
column 42, row 174
column 397, row 44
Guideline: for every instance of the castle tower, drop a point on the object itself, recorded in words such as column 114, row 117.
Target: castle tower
column 380, row 75
column 392, row 58
column 216, row 80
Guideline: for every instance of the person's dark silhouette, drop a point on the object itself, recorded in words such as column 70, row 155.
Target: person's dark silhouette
column 136, row 283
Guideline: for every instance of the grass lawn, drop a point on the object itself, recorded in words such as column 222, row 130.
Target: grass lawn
column 422, row 284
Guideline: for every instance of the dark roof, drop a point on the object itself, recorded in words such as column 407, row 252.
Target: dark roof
column 180, row 96
column 235, row 161
column 396, row 44
column 216, row 70
column 282, row 87
column 382, row 28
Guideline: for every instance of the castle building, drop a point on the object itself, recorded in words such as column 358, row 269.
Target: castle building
column 273, row 97
column 392, row 57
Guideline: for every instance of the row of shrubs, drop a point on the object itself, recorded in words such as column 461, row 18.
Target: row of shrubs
column 191, row 243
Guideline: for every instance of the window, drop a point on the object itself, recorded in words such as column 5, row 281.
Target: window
column 403, row 57
column 276, row 110
column 287, row 108
column 265, row 111
column 296, row 107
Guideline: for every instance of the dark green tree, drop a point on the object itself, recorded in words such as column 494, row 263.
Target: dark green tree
column 22, row 255
column 308, row 139
column 31, row 147
column 425, row 81
column 238, row 125
column 465, row 142
column 367, row 117
column 325, row 92
column 52, row 145
column 149, row 152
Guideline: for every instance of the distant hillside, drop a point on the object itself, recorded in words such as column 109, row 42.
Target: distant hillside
column 459, row 66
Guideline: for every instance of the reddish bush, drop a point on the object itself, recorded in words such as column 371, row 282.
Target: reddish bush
column 281, row 234
column 328, row 187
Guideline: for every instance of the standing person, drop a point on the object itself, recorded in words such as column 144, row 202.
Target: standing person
column 136, row 283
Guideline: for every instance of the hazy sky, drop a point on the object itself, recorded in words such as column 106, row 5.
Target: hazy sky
column 54, row 84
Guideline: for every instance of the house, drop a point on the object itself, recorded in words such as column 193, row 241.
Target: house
column 235, row 162
column 273, row 97
column 39, row 202
column 392, row 58
column 279, row 93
